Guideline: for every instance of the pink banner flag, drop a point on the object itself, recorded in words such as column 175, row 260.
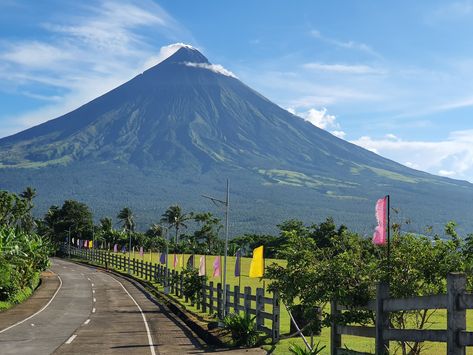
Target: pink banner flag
column 176, row 260
column 141, row 251
column 379, row 236
column 202, row 266
column 216, row 266
column 86, row 243
column 115, row 248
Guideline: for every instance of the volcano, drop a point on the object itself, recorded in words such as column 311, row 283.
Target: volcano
column 184, row 126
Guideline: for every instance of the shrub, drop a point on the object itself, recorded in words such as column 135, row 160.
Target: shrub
column 302, row 350
column 242, row 329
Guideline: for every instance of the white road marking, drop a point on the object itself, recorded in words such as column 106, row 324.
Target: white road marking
column 93, row 310
column 88, row 279
column 93, row 291
column 87, row 322
column 150, row 339
column 42, row 309
column 32, row 324
column 71, row 339
column 92, row 285
column 95, row 300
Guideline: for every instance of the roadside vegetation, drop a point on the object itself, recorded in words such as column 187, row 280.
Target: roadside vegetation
column 309, row 265
column 23, row 253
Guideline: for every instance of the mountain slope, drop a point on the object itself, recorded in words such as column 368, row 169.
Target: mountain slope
column 181, row 127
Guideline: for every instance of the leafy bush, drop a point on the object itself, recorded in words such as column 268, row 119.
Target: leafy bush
column 22, row 257
column 242, row 328
column 302, row 350
column 192, row 283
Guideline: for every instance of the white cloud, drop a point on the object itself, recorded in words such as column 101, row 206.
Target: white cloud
column 343, row 68
column 339, row 134
column 391, row 136
column 216, row 68
column 452, row 157
column 318, row 118
column 83, row 53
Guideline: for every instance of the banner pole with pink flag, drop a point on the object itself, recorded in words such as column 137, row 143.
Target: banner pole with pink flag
column 382, row 232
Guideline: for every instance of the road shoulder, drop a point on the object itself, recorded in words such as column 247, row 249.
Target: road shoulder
column 40, row 297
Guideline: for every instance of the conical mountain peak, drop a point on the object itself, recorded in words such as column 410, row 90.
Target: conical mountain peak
column 187, row 54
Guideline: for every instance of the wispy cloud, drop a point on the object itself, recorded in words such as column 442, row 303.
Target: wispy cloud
column 353, row 45
column 343, row 68
column 216, row 68
column 82, row 54
column 451, row 11
column 452, row 157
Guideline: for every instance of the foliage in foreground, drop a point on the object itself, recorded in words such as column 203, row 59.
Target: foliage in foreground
column 22, row 257
column 340, row 266
column 296, row 349
column 242, row 329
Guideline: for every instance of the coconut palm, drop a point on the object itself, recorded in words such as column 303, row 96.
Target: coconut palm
column 127, row 218
column 29, row 194
column 176, row 218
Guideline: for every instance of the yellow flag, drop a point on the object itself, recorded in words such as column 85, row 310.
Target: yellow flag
column 257, row 263
column 91, row 244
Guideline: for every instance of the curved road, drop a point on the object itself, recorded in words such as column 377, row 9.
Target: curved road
column 95, row 312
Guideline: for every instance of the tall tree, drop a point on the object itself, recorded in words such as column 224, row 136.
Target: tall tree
column 74, row 217
column 28, row 194
column 175, row 218
column 127, row 218
column 210, row 226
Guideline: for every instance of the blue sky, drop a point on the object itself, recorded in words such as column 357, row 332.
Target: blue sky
column 393, row 77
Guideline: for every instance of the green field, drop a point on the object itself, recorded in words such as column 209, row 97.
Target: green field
column 351, row 342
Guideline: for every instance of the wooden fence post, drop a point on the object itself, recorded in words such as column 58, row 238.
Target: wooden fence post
column 247, row 300
column 211, row 297
column 259, row 308
column 236, row 299
column 382, row 319
column 335, row 337
column 204, row 296
column 275, row 321
column 219, row 300
column 456, row 317
column 227, row 299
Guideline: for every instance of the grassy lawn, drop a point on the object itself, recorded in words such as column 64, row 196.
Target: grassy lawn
column 439, row 319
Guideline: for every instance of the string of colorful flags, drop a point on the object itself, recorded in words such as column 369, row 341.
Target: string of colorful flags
column 256, row 266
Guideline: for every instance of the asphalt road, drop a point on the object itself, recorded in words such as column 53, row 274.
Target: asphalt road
column 95, row 312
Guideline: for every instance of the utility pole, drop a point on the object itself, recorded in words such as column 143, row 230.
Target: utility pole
column 129, row 253
column 166, row 280
column 226, row 203
column 69, row 243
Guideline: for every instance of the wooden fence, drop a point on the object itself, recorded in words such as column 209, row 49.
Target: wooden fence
column 210, row 297
column 456, row 302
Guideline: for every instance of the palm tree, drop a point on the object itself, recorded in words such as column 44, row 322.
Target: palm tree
column 176, row 218
column 127, row 218
column 28, row 194
column 106, row 224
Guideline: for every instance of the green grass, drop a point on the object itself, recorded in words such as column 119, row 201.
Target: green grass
column 361, row 344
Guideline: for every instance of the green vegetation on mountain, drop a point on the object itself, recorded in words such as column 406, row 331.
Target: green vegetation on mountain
column 176, row 132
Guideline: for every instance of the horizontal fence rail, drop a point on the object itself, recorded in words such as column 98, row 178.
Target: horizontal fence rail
column 209, row 299
column 456, row 302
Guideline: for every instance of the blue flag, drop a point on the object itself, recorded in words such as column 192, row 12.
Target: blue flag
column 237, row 263
column 162, row 258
